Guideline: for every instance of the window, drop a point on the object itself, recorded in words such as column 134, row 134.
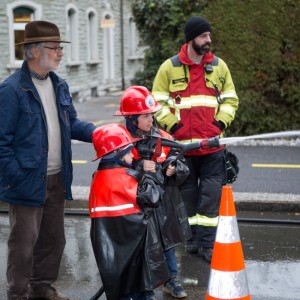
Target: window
column 92, row 37
column 72, row 34
column 19, row 14
column 108, row 25
column 22, row 16
column 132, row 38
column 136, row 50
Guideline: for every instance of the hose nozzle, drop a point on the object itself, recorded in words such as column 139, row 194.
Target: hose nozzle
column 211, row 143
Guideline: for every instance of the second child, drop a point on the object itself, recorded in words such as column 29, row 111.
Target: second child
column 128, row 252
column 137, row 105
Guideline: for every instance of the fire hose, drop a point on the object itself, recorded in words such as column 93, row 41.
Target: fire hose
column 216, row 142
column 152, row 149
column 273, row 135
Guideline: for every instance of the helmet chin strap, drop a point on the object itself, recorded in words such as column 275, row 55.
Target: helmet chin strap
column 119, row 156
column 132, row 124
column 155, row 123
column 116, row 160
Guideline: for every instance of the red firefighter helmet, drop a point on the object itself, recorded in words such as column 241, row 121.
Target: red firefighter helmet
column 137, row 100
column 109, row 138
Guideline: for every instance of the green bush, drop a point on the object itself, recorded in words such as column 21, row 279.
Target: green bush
column 259, row 40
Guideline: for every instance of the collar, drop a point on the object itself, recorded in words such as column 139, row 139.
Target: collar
column 208, row 57
column 37, row 76
column 108, row 165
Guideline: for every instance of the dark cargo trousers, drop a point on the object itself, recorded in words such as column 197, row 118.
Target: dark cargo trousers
column 201, row 193
column 36, row 242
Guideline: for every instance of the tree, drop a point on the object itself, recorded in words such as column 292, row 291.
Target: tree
column 160, row 25
column 257, row 39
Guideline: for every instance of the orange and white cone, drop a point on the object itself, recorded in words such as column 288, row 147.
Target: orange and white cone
column 228, row 278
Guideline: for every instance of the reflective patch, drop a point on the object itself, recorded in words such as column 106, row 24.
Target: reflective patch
column 228, row 232
column 228, row 285
column 203, row 220
column 111, row 208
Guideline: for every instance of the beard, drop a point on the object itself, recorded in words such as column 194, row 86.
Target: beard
column 49, row 65
column 201, row 50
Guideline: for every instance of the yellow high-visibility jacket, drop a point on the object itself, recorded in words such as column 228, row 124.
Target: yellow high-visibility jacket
column 195, row 97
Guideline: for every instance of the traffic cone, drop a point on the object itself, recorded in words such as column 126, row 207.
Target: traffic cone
column 228, row 278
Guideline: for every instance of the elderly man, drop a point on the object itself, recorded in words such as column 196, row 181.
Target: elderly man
column 38, row 121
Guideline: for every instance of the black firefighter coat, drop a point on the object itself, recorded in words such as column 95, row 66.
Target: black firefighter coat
column 124, row 237
column 171, row 214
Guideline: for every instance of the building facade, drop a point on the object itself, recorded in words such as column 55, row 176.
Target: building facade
column 104, row 53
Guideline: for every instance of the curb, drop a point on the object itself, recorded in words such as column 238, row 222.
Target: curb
column 261, row 202
column 244, row 201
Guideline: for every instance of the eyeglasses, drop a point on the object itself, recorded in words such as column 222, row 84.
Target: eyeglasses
column 55, row 49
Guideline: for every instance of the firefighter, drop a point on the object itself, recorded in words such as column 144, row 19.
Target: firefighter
column 199, row 101
column 128, row 252
column 137, row 105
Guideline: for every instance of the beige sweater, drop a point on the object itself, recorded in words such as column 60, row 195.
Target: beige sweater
column 47, row 95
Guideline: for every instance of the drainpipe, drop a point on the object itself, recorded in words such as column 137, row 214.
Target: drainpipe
column 122, row 44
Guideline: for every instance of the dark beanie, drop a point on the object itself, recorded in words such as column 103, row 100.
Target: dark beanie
column 194, row 27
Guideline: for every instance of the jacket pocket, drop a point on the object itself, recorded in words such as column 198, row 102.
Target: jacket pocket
column 64, row 105
column 65, row 113
column 10, row 181
column 27, row 142
column 28, row 188
column 178, row 86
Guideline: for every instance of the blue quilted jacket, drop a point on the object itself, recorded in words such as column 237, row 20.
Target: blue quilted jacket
column 24, row 142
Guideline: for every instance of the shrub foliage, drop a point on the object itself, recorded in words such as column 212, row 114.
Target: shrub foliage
column 259, row 40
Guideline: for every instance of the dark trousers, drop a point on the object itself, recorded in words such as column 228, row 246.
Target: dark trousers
column 201, row 193
column 36, row 242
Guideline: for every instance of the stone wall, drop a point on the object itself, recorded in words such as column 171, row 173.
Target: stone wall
column 86, row 78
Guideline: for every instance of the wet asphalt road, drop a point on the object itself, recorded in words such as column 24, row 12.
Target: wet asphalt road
column 272, row 259
column 250, row 179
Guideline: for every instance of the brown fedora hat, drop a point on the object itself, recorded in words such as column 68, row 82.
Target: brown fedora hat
column 41, row 31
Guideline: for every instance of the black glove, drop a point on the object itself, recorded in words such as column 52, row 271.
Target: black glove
column 231, row 165
column 219, row 124
column 175, row 127
column 171, row 160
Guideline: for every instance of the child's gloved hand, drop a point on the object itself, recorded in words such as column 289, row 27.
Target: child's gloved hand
column 149, row 166
column 170, row 171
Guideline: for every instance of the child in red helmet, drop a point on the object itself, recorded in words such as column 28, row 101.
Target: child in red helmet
column 128, row 253
column 138, row 105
